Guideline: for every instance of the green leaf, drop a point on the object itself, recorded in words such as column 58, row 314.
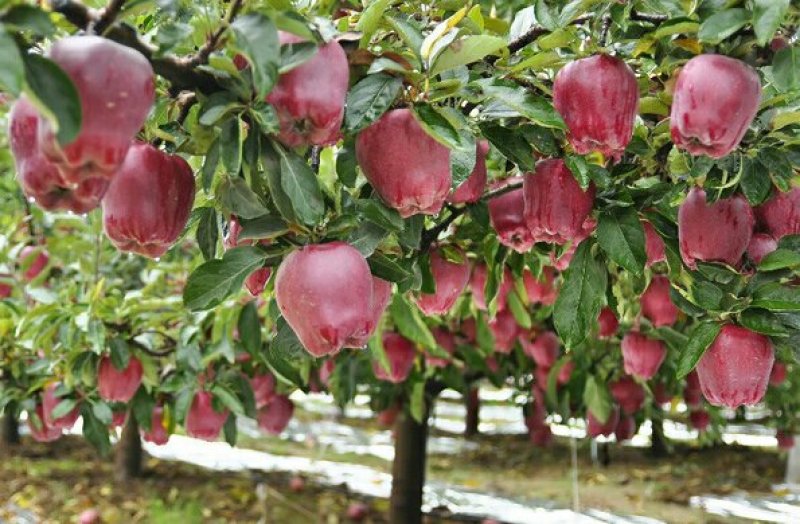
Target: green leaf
column 437, row 126
column 230, row 430
column 12, row 68
column 369, row 99
column 755, row 183
column 776, row 297
column 296, row 54
column 236, row 197
column 257, row 38
column 763, row 321
column 767, row 18
column 387, row 269
column 462, row 160
column 537, row 109
column 699, row 341
column 780, row 259
column 249, row 327
column 207, row 232
column 215, row 280
column 230, row 145
column 786, row 68
column 370, row 20
column 621, row 235
column 379, row 214
column 467, row 50
column 511, row 145
column 597, row 399
column 408, row 32
column 409, row 323
column 102, row 412
column 346, row 164
column 581, row 296
column 120, row 354
column 94, row 430
column 723, row 24
column 29, row 18
column 228, row 398
column 141, row 406
column 63, row 407
column 210, row 163
column 53, row 93
column 417, row 401
column 300, row 185
column 265, row 226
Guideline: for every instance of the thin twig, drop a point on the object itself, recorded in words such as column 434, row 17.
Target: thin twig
column 108, row 16
column 604, row 27
column 28, row 215
column 201, row 57
column 168, row 351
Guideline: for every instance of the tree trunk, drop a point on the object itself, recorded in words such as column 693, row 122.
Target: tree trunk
column 408, row 470
column 473, row 405
column 128, row 451
column 10, row 435
column 658, row 442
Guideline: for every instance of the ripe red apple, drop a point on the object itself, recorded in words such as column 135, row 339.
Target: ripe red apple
column 118, row 385
column 726, row 241
column 785, row 440
column 657, row 307
column 562, row 263
column 381, row 295
column 42, row 432
column 324, row 291
column 477, row 284
column 257, row 280
column 33, row 260
column 401, row 353
column 565, row 373
column 275, row 416
column 202, row 420
column 49, row 403
column 607, row 323
column 598, row 97
column 446, row 340
column 761, row 245
column 692, row 393
column 544, row 350
column 778, row 374
column 388, row 416
column 148, row 202
column 540, row 291
column 642, row 355
column 118, row 418
column 628, row 394
column 626, row 428
column 653, row 244
column 555, row 205
column 263, row 385
column 115, row 85
column 735, row 369
column 505, row 330
column 471, row 189
column 404, row 164
column 158, row 432
column 297, row 484
column 310, row 98
column 595, row 428
column 357, row 511
column 715, row 100
column 780, row 215
column 40, row 178
column 699, row 419
column 507, row 217
column 450, row 278
column 661, row 394
column 6, row 285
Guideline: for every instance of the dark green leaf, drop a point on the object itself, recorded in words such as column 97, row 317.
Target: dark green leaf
column 29, row 18
column 581, row 296
column 300, row 184
column 250, row 328
column 257, row 38
column 12, row 68
column 120, row 354
column 786, row 68
column 755, row 182
column 379, row 214
column 519, row 99
column 763, row 321
column 55, row 95
column 227, row 398
column 215, row 280
column 723, row 24
column 409, row 323
column 230, row 145
column 369, row 99
column 437, row 126
column 295, row 54
column 621, row 235
column 346, row 164
column 387, row 269
column 102, row 412
column 94, row 430
column 511, row 145
column 780, row 259
column 767, row 18
column 265, row 226
column 462, row 160
column 207, row 232
column 230, row 431
column 699, row 341
column 597, row 399
column 777, row 297
column 238, row 199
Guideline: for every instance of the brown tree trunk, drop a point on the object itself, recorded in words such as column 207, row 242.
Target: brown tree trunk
column 473, row 405
column 128, row 452
column 408, row 470
column 10, row 436
column 658, row 442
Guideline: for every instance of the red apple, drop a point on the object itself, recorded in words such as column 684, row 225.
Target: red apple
column 257, row 280
column 401, row 353
column 357, row 511
column 404, row 164
column 661, row 394
column 471, row 189
column 692, row 393
column 381, row 295
column 540, row 291
column 324, row 291
column 42, row 432
column 541, row 437
column 90, row 516
column 388, row 416
column 115, row 85
column 445, row 339
column 118, row 418
column 735, row 369
column 263, row 385
column 202, row 420
column 6, row 285
column 715, row 100
column 148, row 203
column 607, row 323
column 491, row 364
column 507, row 216
column 654, row 244
column 158, row 432
column 33, row 260
column 309, row 99
column 778, row 374
column 657, row 307
column 785, row 440
column 505, row 330
column 477, row 284
column 49, row 403
column 39, row 178
column 641, row 355
column 595, row 428
column 761, row 245
column 628, row 394
column 780, row 215
column 544, row 350
column 555, row 205
column 297, row 484
column 699, row 419
column 450, row 278
column 626, row 428
column 275, row 416
column 598, row 97
column 565, row 373
column 726, row 241
column 562, row 263
column 118, row 385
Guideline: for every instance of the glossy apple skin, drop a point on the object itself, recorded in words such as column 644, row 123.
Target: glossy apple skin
column 726, row 242
column 628, row 394
column 309, row 99
column 202, row 420
column 381, row 296
column 761, row 245
column 785, row 440
column 657, row 307
column 541, row 291
column 505, row 331
column 471, row 189
column 149, row 201
column 158, row 432
column 116, row 89
column 735, row 369
column 324, row 291
column 598, row 98
column 626, row 428
column 714, row 101
column 642, row 356
column 780, row 215
column 115, row 385
column 447, row 341
column 37, row 265
column 45, row 432
column 404, row 164
column 477, row 285
column 450, row 278
column 275, row 416
column 555, row 205
column 654, row 245
column 699, row 419
column 49, row 403
column 507, row 217
column 595, row 428
column 544, row 349
column 401, row 354
column 778, row 374
column 38, row 177
column 256, row 282
column 263, row 385
column 607, row 323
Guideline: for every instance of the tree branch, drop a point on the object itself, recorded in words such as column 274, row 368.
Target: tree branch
column 201, row 57
column 108, row 16
column 166, row 352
